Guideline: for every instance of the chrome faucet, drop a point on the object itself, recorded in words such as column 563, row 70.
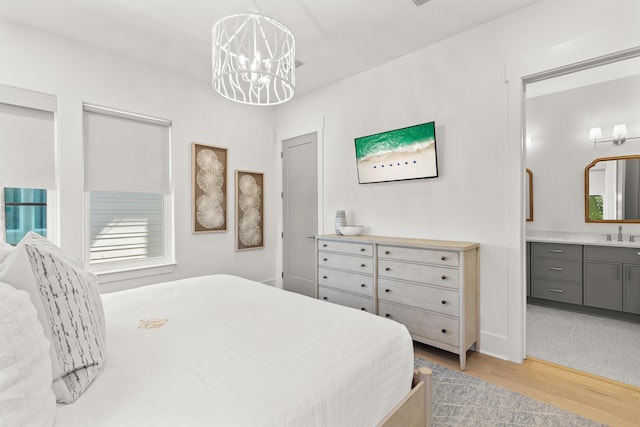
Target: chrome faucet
column 619, row 233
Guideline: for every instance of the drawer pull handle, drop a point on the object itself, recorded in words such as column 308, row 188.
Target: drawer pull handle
column 558, row 291
column 363, row 286
column 444, row 301
column 387, row 315
column 443, row 258
column 387, row 268
column 387, row 290
column 555, row 251
column 363, row 249
column 324, row 277
column 638, row 253
column 556, row 268
column 363, row 265
column 444, row 331
column 325, row 298
column 388, row 252
column 324, row 245
column 325, row 260
column 443, row 277
column 363, row 309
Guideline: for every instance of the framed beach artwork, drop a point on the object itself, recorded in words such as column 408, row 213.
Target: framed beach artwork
column 249, row 210
column 396, row 155
column 209, row 183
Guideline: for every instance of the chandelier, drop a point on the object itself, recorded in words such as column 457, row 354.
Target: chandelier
column 253, row 59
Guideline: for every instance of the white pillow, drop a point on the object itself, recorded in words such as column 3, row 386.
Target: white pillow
column 5, row 249
column 26, row 398
column 69, row 307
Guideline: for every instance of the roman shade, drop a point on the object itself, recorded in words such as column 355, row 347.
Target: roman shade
column 125, row 152
column 27, row 138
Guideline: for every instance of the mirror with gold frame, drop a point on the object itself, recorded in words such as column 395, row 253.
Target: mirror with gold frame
column 529, row 198
column 612, row 189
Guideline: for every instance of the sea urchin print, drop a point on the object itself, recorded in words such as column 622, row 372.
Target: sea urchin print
column 209, row 213
column 249, row 205
column 209, row 188
column 207, row 159
column 249, row 186
column 249, row 201
column 208, row 180
column 250, row 236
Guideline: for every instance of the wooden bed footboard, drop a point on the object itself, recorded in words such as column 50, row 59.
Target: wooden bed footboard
column 416, row 409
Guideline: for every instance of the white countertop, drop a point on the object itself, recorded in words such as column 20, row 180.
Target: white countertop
column 582, row 239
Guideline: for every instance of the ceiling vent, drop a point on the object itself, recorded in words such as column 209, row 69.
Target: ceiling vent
column 420, row 2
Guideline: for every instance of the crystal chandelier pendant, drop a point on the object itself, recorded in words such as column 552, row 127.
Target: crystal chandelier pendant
column 253, row 59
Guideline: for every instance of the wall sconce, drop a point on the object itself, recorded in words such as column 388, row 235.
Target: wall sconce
column 618, row 138
column 619, row 134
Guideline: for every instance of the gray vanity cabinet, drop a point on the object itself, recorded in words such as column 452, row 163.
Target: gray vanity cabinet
column 602, row 285
column 631, row 289
column 612, row 278
column 603, row 277
column 556, row 272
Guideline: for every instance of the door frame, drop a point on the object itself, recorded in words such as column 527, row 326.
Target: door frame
column 591, row 50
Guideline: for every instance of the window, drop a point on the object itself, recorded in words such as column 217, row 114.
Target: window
column 27, row 163
column 25, row 209
column 127, row 184
column 125, row 226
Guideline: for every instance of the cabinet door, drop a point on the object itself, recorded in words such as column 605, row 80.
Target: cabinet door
column 603, row 285
column 631, row 291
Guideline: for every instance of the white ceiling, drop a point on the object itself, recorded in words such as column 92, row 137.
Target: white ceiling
column 335, row 39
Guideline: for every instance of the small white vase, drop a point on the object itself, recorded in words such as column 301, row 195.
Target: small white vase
column 341, row 220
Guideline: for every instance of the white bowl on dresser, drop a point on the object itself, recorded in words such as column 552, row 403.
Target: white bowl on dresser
column 351, row 230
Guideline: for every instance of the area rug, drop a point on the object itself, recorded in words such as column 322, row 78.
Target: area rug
column 463, row 400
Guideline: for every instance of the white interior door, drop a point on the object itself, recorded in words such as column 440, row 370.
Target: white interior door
column 300, row 212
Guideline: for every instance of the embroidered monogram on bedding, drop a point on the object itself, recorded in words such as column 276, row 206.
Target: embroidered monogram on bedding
column 151, row 323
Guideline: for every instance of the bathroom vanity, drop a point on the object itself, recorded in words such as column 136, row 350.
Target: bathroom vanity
column 604, row 276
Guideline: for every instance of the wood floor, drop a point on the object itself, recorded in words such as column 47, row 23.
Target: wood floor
column 606, row 401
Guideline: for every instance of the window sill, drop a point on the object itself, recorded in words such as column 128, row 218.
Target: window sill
column 134, row 272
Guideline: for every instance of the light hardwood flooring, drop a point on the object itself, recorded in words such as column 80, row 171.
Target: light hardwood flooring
column 600, row 399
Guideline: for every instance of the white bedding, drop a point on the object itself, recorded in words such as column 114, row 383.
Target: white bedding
column 239, row 353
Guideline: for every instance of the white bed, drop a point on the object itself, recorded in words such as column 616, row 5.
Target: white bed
column 234, row 352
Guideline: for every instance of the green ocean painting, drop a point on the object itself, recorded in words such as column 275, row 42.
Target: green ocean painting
column 406, row 139
column 400, row 154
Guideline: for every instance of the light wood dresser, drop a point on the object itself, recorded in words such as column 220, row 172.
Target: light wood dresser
column 430, row 286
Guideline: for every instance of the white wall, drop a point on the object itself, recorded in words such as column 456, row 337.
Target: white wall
column 559, row 127
column 459, row 83
column 77, row 73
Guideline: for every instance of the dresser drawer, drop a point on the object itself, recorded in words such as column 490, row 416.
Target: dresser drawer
column 441, row 276
column 428, row 256
column 425, row 297
column 601, row 253
column 351, row 282
column 556, row 250
column 343, row 298
column 423, row 324
column 558, row 269
column 355, row 248
column 346, row 262
column 557, row 291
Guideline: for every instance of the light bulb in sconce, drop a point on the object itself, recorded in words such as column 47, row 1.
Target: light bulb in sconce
column 619, row 134
column 595, row 134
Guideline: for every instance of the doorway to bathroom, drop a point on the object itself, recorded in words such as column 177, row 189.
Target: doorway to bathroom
column 582, row 288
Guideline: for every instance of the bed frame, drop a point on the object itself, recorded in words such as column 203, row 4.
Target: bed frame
column 416, row 409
